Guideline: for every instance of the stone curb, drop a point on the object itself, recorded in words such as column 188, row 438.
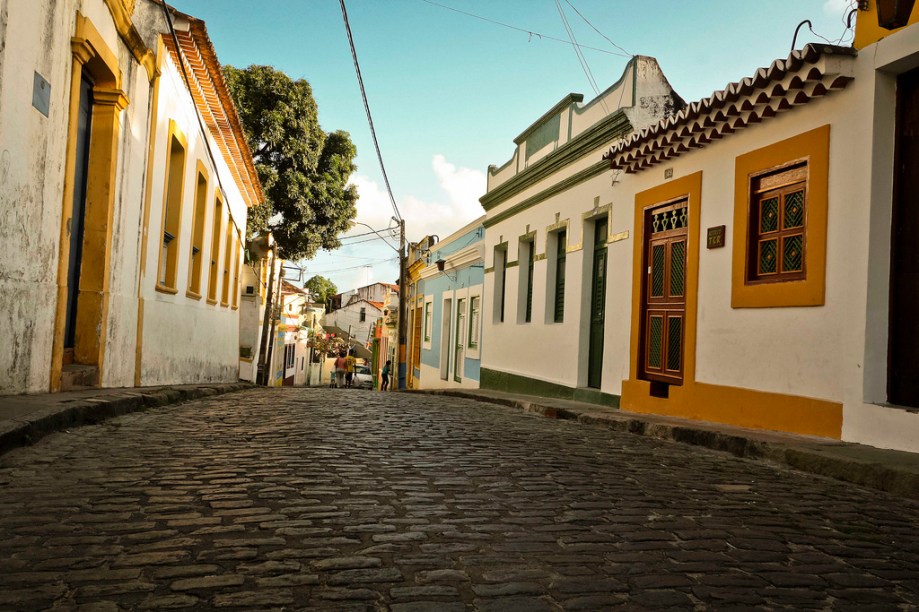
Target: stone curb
column 90, row 411
column 812, row 459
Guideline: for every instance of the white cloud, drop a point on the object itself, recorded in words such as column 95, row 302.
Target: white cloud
column 837, row 7
column 462, row 188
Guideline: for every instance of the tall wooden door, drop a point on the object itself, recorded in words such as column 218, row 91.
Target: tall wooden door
column 903, row 349
column 84, row 121
column 597, row 305
column 664, row 293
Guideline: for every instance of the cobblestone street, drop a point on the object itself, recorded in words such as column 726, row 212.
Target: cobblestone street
column 345, row 499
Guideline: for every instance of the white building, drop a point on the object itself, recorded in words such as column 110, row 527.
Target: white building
column 543, row 207
column 356, row 311
column 109, row 199
column 755, row 256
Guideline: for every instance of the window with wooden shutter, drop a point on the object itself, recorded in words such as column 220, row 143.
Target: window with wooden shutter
column 528, row 312
column 778, row 222
column 561, row 246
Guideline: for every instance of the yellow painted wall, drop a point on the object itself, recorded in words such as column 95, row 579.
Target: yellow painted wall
column 867, row 30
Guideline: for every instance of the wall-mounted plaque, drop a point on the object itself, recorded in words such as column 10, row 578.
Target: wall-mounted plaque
column 715, row 237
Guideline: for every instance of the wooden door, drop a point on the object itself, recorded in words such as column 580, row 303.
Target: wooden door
column 664, row 293
column 597, row 305
column 903, row 348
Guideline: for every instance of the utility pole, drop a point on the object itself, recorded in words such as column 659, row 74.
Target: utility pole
column 262, row 377
column 403, row 297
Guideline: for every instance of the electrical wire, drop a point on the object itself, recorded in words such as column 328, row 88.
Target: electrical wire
column 347, row 244
column 373, row 133
column 334, row 254
column 531, row 33
column 333, row 271
column 370, row 233
column 587, row 21
column 585, row 67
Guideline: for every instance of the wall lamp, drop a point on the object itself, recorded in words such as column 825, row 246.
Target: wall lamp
column 893, row 14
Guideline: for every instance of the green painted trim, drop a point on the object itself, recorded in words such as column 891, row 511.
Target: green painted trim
column 594, row 137
column 514, row 383
column 559, row 107
column 579, row 177
column 490, row 270
column 539, row 257
column 511, row 264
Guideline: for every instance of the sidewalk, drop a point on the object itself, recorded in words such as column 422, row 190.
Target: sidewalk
column 26, row 418
column 895, row 472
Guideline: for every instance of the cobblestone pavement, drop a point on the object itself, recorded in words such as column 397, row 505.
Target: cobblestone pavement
column 345, row 499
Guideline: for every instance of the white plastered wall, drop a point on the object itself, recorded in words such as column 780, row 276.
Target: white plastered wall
column 33, row 147
column 210, row 332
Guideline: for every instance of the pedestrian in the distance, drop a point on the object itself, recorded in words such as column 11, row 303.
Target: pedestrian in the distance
column 385, row 385
column 349, row 368
column 340, row 369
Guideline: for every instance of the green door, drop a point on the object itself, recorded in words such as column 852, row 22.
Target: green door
column 597, row 305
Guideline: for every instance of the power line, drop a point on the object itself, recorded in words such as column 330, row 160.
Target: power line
column 373, row 133
column 587, row 21
column 315, row 272
column 370, row 233
column 585, row 67
column 347, row 244
column 334, row 254
column 531, row 33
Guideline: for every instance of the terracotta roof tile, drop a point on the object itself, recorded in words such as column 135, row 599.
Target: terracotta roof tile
column 812, row 72
column 212, row 98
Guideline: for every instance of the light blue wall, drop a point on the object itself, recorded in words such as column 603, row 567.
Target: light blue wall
column 448, row 282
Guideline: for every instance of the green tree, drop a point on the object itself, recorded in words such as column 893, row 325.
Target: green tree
column 320, row 288
column 304, row 171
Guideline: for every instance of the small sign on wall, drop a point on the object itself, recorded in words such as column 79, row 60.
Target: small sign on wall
column 41, row 94
column 715, row 237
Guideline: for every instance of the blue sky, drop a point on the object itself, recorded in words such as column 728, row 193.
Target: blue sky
column 450, row 92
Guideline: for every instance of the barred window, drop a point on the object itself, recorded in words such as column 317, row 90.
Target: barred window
column 778, row 222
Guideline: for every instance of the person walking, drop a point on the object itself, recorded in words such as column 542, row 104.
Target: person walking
column 350, row 362
column 341, row 367
column 386, row 368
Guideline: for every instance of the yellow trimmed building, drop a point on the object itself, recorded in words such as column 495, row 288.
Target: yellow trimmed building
column 749, row 260
column 124, row 213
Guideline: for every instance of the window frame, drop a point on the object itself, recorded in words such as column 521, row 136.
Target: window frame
column 173, row 200
column 813, row 147
column 473, row 351
column 500, row 283
column 428, row 324
column 785, row 180
column 199, row 218
column 213, row 274
column 560, row 264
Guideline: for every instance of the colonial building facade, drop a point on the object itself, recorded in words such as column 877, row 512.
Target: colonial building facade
column 748, row 260
column 549, row 231
column 445, row 337
column 122, row 214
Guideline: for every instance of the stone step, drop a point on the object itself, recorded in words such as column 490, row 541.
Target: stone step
column 75, row 377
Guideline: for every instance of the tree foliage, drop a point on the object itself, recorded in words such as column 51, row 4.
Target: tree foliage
column 304, row 171
column 321, row 288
